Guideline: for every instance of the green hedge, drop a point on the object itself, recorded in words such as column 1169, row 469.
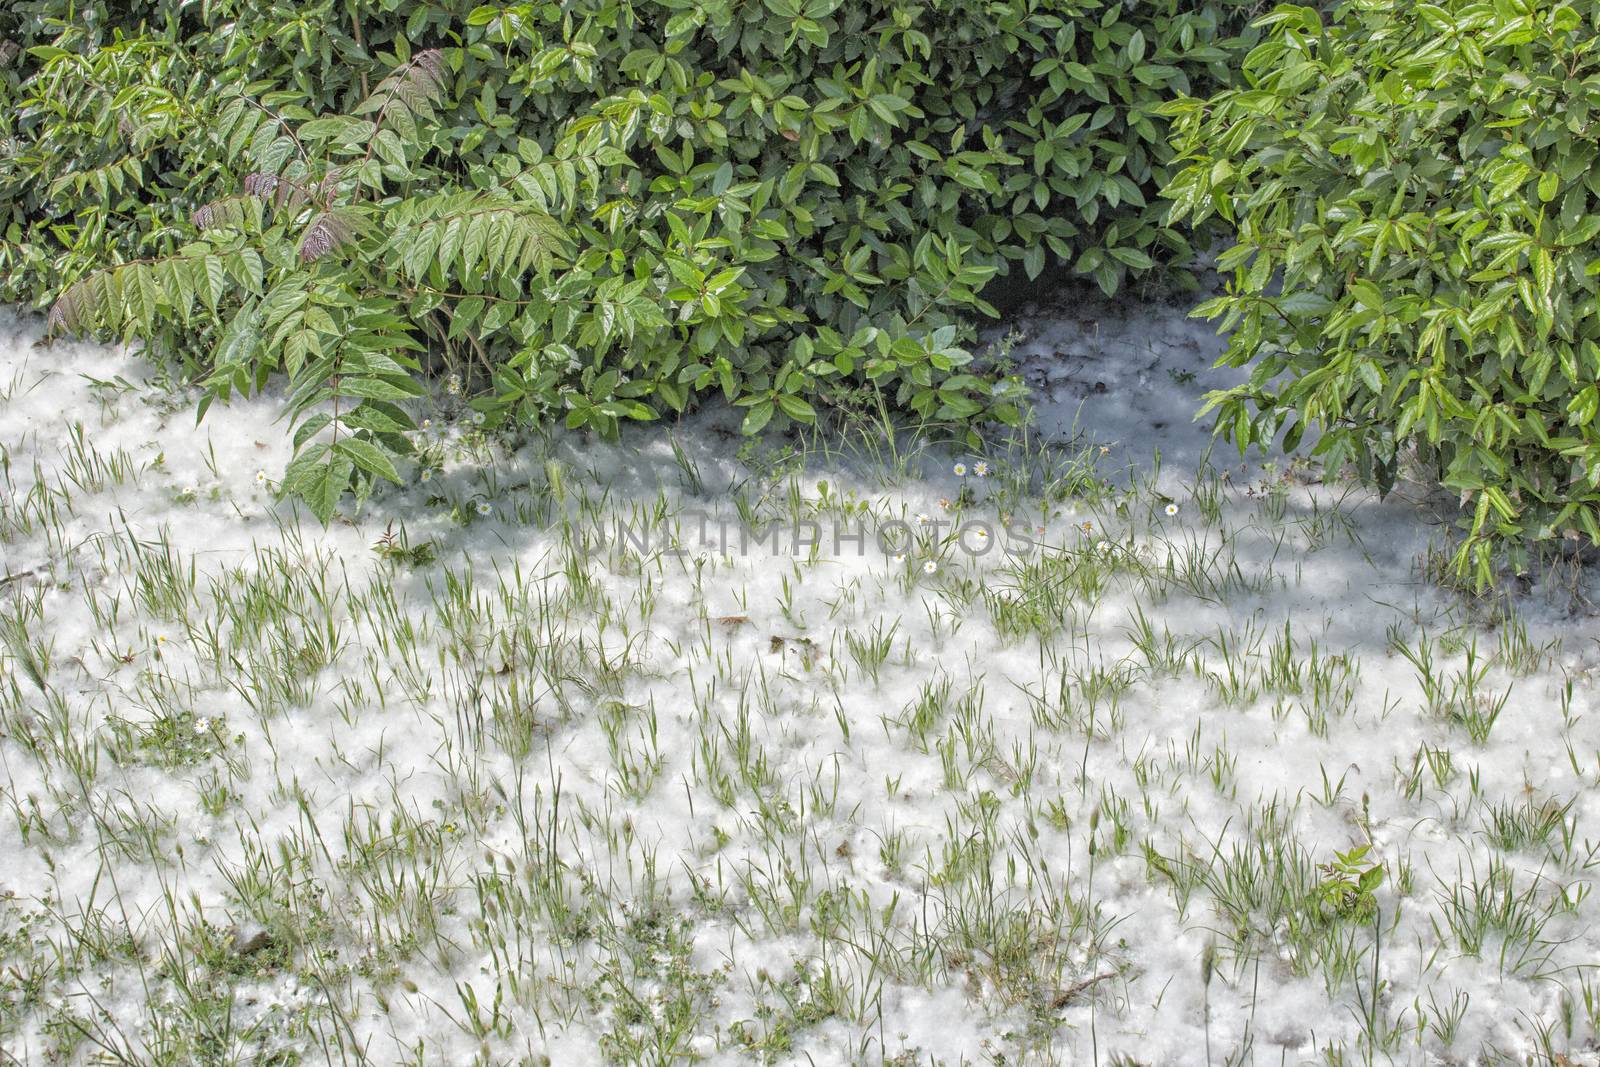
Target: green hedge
column 592, row 211
column 1414, row 188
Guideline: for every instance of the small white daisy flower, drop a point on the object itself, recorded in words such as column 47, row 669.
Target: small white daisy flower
column 922, row 519
column 981, row 469
column 161, row 639
column 202, row 725
column 960, row 470
column 1171, row 510
column 899, row 557
column 261, row 477
column 426, row 475
column 983, row 535
column 929, row 567
column 425, row 425
column 483, row 507
column 478, row 418
column 1103, row 547
column 453, row 385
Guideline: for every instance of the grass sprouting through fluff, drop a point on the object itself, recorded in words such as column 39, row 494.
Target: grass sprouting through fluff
column 474, row 776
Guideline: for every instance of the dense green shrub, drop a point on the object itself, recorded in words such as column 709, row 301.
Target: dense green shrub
column 594, row 210
column 1414, row 188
